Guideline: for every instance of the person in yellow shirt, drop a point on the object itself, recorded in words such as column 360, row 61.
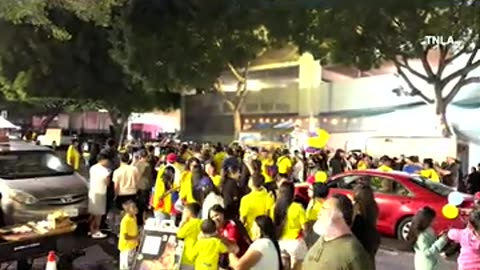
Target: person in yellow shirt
column 290, row 219
column 185, row 153
column 219, row 157
column 128, row 237
column 171, row 161
column 211, row 170
column 363, row 163
column 269, row 169
column 284, row 164
column 386, row 164
column 209, row 247
column 189, row 230
column 256, row 203
column 429, row 171
column 73, row 155
column 186, row 184
column 162, row 195
column 318, row 194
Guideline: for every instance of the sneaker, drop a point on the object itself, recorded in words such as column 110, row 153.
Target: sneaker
column 99, row 235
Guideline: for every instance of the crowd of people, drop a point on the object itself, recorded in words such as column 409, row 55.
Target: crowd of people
column 236, row 208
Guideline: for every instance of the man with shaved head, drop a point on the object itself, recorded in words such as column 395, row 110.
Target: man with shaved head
column 337, row 248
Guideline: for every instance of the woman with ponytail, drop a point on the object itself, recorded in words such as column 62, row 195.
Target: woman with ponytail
column 264, row 252
column 289, row 218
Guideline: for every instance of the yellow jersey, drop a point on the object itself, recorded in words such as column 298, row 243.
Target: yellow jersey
column 207, row 253
column 430, row 174
column 73, row 157
column 284, row 164
column 254, row 204
column 189, row 233
column 128, row 226
column 186, row 193
column 384, row 168
column 313, row 209
column 295, row 220
column 267, row 163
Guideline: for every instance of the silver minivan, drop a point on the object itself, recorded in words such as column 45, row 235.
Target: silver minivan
column 35, row 182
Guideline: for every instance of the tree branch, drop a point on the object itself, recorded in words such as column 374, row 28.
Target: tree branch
column 465, row 70
column 242, row 89
column 409, row 68
column 235, row 73
column 218, row 86
column 415, row 90
column 442, row 60
column 465, row 48
column 426, row 65
column 458, row 86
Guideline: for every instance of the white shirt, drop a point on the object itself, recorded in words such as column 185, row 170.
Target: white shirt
column 211, row 200
column 298, row 171
column 269, row 259
column 98, row 179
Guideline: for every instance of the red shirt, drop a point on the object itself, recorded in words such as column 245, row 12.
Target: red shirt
column 232, row 233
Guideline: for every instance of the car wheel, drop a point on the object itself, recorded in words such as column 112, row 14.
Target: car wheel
column 404, row 228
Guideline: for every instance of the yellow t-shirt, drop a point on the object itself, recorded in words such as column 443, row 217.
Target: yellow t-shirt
column 266, row 163
column 218, row 159
column 284, row 164
column 430, row 174
column 217, row 179
column 73, row 157
column 189, row 233
column 128, row 226
column 313, row 209
column 186, row 156
column 164, row 205
column 295, row 219
column 254, row 204
column 362, row 165
column 385, row 168
column 207, row 253
column 186, row 187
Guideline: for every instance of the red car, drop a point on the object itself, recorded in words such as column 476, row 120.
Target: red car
column 399, row 196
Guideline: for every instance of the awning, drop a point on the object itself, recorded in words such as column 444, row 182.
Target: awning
column 5, row 124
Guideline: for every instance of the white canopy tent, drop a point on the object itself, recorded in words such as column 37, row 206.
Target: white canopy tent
column 5, row 124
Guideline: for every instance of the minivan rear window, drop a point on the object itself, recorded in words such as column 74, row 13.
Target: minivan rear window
column 31, row 164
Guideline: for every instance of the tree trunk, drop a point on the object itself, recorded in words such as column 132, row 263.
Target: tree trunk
column 237, row 122
column 48, row 120
column 441, row 112
column 122, row 129
column 119, row 126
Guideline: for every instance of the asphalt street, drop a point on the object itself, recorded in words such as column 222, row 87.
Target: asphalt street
column 99, row 255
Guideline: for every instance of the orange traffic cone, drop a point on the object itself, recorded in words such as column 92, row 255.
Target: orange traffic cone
column 51, row 261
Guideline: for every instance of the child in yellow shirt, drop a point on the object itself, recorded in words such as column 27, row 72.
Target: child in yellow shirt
column 128, row 238
column 209, row 247
column 189, row 230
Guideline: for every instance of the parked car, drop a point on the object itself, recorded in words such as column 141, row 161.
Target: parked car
column 34, row 182
column 399, row 196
